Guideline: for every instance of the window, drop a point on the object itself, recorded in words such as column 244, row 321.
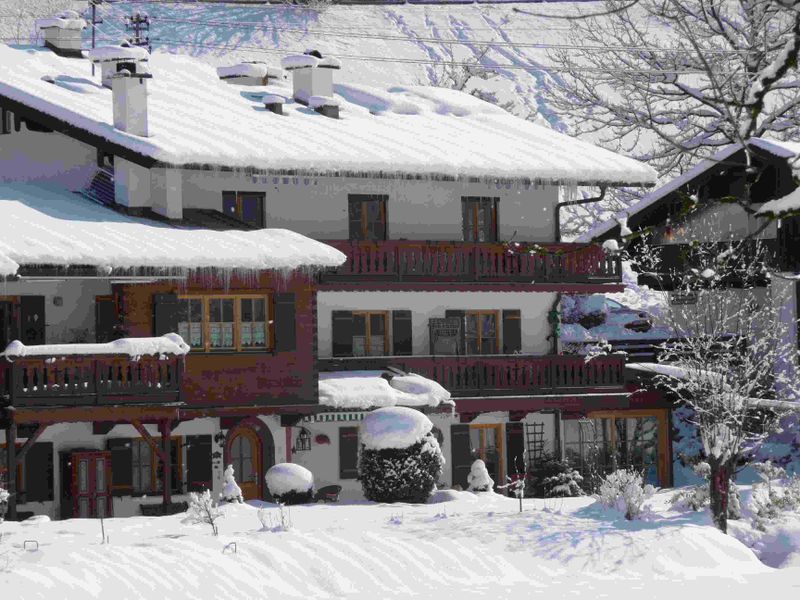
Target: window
column 148, row 470
column 367, row 215
column 369, row 334
column 479, row 219
column 247, row 207
column 238, row 322
column 481, row 332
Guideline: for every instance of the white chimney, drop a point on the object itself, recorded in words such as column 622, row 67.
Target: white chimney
column 129, row 95
column 62, row 34
column 312, row 75
column 113, row 59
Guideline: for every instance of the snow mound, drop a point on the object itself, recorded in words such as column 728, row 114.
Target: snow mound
column 171, row 343
column 284, row 478
column 394, row 427
column 249, row 69
column 358, row 390
column 68, row 19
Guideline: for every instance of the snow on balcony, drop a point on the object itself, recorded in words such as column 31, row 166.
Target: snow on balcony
column 359, row 390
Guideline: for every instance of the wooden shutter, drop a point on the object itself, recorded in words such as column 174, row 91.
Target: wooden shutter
column 32, row 319
column 342, row 331
column 348, row 452
column 121, row 466
column 402, row 334
column 285, row 327
column 39, row 472
column 515, row 448
column 512, row 331
column 105, row 319
column 461, row 454
column 460, row 314
column 198, row 463
column 165, row 314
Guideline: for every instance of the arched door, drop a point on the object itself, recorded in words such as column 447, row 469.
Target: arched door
column 246, row 457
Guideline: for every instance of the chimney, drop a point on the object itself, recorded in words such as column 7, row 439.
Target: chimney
column 325, row 105
column 113, row 59
column 129, row 95
column 312, row 74
column 273, row 103
column 62, row 34
column 249, row 73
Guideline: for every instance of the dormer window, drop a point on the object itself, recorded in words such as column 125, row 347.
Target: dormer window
column 247, row 207
column 367, row 216
column 479, row 218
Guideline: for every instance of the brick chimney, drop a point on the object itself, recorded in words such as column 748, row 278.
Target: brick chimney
column 312, row 74
column 62, row 33
column 113, row 59
column 129, row 95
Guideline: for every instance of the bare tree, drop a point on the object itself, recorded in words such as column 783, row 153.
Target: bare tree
column 18, row 23
column 670, row 81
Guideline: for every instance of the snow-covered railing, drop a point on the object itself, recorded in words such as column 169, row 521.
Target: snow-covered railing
column 500, row 375
column 403, row 260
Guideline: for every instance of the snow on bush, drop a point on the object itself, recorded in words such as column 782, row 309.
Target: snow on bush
column 696, row 497
column 401, row 460
column 478, row 478
column 553, row 478
column 775, row 497
column 231, row 492
column 203, row 509
column 290, row 483
column 624, row 491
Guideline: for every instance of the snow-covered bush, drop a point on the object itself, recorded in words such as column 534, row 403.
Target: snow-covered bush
column 588, row 311
column 4, row 496
column 625, row 491
column 553, row 478
column 203, row 509
column 771, row 502
column 290, row 483
column 272, row 521
column 401, row 460
column 697, row 497
column 231, row 492
column 478, row 478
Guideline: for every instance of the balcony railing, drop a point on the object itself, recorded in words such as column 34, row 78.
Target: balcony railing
column 90, row 380
column 503, row 375
column 421, row 261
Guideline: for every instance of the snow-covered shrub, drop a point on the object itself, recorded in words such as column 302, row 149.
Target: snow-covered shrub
column 4, row 496
column 771, row 502
column 401, row 460
column 478, row 478
column 625, row 491
column 587, row 310
column 696, row 497
column 231, row 492
column 553, row 478
column 203, row 509
column 290, row 483
column 270, row 521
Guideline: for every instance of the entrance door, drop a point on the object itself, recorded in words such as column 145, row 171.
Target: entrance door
column 486, row 443
column 91, row 484
column 246, row 461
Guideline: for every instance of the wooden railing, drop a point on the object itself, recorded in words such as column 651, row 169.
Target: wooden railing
column 502, row 375
column 401, row 260
column 90, row 380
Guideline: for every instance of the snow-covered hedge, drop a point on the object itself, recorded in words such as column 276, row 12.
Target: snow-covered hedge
column 624, row 491
column 400, row 457
column 290, row 483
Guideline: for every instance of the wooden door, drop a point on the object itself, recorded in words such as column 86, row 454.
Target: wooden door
column 246, row 460
column 91, row 484
column 486, row 443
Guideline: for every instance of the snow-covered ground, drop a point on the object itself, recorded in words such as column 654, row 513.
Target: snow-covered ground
column 461, row 544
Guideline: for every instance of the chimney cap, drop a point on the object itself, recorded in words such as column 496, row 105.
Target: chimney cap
column 68, row 19
column 123, row 52
column 299, row 61
column 273, row 99
column 329, row 62
column 249, row 69
column 126, row 73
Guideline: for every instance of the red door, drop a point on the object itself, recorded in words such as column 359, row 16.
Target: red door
column 91, row 484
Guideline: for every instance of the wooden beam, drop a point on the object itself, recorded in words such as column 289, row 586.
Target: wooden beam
column 111, row 413
column 29, row 444
column 151, row 441
column 166, row 458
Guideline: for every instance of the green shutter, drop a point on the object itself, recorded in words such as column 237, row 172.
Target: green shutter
column 121, row 466
column 515, row 448
column 348, row 452
column 32, row 320
column 165, row 314
column 461, row 453
column 342, row 332
column 512, row 332
column 39, row 472
column 285, row 323
column 402, row 333
column 198, row 463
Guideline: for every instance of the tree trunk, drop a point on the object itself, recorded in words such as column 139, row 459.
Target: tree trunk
column 719, row 493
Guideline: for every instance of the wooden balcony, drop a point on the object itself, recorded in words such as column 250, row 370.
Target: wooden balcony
column 501, row 375
column 90, row 380
column 445, row 262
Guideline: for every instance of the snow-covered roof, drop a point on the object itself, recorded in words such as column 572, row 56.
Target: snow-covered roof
column 198, row 119
column 48, row 225
column 170, row 343
column 781, row 205
column 359, row 390
column 788, row 150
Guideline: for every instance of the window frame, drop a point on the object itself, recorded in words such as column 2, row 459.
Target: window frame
column 238, row 198
column 362, row 199
column 470, row 207
column 367, row 314
column 206, row 299
column 497, row 326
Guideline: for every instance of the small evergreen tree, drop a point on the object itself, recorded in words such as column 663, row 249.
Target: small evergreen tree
column 231, row 492
column 554, row 478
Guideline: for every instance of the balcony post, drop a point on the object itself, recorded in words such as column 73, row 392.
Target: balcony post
column 11, row 470
column 166, row 458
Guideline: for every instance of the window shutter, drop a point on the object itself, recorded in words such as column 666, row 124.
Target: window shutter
column 121, row 466
column 515, row 448
column 348, row 452
column 512, row 331
column 105, row 319
column 460, row 314
column 461, row 453
column 402, row 335
column 5, row 121
column 165, row 314
column 285, row 327
column 342, row 331
column 198, row 463
column 39, row 472
column 32, row 319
